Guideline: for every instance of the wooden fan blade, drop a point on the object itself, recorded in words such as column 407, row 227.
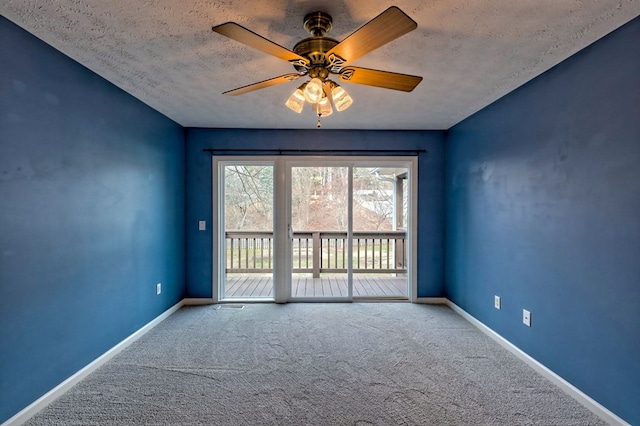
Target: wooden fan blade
column 239, row 33
column 384, row 79
column 262, row 84
column 384, row 28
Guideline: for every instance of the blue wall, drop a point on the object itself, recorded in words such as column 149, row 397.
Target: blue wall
column 430, row 187
column 91, row 216
column 543, row 209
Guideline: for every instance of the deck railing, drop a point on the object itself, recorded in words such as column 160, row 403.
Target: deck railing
column 316, row 252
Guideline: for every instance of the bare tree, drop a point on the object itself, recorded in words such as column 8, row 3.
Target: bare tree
column 249, row 197
column 318, row 198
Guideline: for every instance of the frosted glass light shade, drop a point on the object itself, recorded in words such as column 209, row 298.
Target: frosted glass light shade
column 341, row 98
column 296, row 101
column 323, row 108
column 313, row 92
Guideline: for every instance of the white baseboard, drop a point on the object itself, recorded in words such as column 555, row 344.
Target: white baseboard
column 198, row 301
column 432, row 300
column 46, row 399
column 567, row 387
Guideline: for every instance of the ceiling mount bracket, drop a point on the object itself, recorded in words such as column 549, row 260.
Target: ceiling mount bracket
column 318, row 23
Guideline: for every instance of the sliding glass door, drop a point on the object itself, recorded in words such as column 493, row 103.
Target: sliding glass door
column 246, row 230
column 380, row 232
column 319, row 211
column 314, row 228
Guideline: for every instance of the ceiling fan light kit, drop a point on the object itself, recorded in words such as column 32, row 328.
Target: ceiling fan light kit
column 323, row 107
column 317, row 57
column 341, row 98
column 296, row 100
column 313, row 92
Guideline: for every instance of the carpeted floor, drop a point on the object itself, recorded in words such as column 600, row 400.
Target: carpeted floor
column 316, row 364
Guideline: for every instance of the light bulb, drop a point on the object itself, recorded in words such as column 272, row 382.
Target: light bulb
column 296, row 101
column 313, row 92
column 341, row 98
column 323, row 108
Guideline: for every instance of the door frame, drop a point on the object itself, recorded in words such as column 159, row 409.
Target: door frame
column 282, row 200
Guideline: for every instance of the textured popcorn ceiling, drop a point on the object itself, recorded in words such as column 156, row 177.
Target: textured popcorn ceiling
column 470, row 53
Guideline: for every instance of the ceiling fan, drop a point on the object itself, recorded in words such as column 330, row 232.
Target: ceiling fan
column 319, row 57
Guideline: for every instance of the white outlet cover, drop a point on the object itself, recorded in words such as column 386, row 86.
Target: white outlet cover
column 158, row 288
column 496, row 302
column 526, row 318
column 202, row 225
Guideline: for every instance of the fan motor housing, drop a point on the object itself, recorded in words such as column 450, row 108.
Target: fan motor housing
column 314, row 49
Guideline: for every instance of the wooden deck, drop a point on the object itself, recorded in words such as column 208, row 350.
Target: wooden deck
column 248, row 286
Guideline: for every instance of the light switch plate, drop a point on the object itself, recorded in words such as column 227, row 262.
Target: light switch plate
column 526, row 317
column 496, row 302
column 202, row 225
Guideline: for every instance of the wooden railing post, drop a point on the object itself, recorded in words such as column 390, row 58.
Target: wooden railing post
column 399, row 250
column 316, row 254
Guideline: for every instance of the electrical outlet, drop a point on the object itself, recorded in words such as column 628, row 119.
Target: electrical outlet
column 496, row 302
column 202, row 225
column 526, row 317
column 158, row 288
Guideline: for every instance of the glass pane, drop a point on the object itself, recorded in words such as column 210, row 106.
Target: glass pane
column 379, row 232
column 248, row 214
column 319, row 215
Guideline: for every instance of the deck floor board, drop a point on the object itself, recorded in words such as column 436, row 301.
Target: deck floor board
column 246, row 286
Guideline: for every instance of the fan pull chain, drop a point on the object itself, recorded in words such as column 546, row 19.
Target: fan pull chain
column 319, row 123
